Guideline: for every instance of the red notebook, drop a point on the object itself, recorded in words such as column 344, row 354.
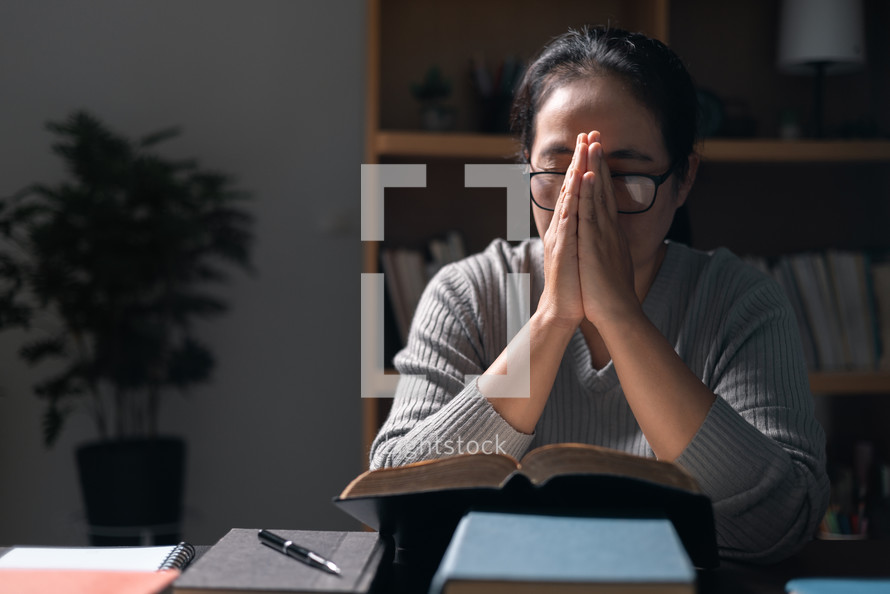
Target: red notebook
column 81, row 581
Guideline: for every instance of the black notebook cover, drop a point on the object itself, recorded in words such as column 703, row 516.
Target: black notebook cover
column 239, row 563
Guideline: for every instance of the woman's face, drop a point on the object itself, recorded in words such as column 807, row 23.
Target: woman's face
column 632, row 143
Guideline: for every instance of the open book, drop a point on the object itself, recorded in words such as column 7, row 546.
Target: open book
column 538, row 465
column 420, row 503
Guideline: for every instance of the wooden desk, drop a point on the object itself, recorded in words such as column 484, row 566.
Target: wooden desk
column 820, row 558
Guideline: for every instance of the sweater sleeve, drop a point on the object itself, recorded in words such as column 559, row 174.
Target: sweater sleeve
column 438, row 410
column 760, row 453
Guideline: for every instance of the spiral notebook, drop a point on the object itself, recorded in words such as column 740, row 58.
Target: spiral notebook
column 153, row 558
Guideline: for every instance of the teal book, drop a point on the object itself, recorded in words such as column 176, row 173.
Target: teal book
column 838, row 586
column 524, row 553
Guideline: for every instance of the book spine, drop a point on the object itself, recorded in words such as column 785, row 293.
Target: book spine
column 816, row 310
column 785, row 277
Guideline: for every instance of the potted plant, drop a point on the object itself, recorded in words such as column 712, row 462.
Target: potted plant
column 116, row 264
column 432, row 92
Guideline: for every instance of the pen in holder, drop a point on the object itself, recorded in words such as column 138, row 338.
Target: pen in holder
column 494, row 93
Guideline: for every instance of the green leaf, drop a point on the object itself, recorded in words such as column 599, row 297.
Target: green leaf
column 160, row 136
column 14, row 315
column 192, row 362
column 34, row 352
column 53, row 420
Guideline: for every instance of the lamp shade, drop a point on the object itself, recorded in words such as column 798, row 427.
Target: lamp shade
column 828, row 32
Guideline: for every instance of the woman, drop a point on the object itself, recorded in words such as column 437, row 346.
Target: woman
column 635, row 343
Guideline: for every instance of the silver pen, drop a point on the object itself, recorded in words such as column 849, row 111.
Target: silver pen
column 295, row 551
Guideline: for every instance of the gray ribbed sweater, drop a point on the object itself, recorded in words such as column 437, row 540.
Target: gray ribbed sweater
column 759, row 454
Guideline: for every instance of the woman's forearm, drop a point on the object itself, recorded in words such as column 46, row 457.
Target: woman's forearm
column 519, row 381
column 669, row 402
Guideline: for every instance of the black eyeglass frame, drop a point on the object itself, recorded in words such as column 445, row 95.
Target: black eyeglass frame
column 657, row 179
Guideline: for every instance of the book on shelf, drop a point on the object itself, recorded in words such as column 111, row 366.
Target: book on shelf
column 420, row 504
column 444, row 251
column 836, row 296
column 240, row 564
column 398, row 296
column 519, row 553
column 811, row 275
column 407, row 271
column 784, row 275
column 880, row 279
column 848, row 273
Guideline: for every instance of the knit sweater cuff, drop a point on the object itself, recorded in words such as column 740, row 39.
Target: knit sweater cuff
column 728, row 456
column 471, row 416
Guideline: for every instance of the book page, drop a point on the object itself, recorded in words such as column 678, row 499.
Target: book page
column 452, row 472
column 551, row 460
column 95, row 558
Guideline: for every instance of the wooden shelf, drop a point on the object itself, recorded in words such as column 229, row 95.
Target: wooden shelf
column 445, row 144
column 491, row 146
column 789, row 151
column 850, row 382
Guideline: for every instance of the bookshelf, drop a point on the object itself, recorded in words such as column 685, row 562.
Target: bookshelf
column 795, row 151
column 850, row 383
column 784, row 196
column 403, row 143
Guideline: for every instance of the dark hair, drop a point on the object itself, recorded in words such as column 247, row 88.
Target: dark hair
column 654, row 73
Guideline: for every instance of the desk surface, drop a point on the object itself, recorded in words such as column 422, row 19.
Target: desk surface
column 820, row 558
column 866, row 558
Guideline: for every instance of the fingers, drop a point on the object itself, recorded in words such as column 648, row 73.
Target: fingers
column 604, row 264
column 610, row 202
column 587, row 210
column 604, row 204
column 592, row 160
column 577, row 167
column 566, row 206
column 591, row 214
column 562, row 291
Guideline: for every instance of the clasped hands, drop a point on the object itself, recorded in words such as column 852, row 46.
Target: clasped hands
column 588, row 269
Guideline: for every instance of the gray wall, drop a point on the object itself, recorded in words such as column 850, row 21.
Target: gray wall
column 270, row 91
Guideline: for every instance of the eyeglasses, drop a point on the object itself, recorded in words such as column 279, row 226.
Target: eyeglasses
column 634, row 192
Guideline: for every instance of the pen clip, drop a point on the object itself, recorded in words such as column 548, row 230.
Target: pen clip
column 286, row 544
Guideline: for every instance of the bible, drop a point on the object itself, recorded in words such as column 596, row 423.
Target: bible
column 420, row 504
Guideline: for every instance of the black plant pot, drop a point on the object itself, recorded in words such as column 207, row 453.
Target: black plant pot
column 133, row 490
